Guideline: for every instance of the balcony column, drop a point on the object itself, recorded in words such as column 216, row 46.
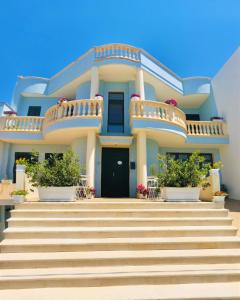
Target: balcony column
column 90, row 157
column 94, row 82
column 142, row 158
column 140, row 83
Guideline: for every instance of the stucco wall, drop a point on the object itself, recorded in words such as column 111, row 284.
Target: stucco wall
column 83, row 90
column 226, row 91
column 45, row 104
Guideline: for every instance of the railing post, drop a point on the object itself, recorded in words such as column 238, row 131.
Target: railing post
column 140, row 83
column 94, row 82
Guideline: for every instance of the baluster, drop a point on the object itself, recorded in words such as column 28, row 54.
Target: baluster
column 84, row 108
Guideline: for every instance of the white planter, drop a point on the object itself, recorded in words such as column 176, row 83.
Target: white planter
column 219, row 199
column 18, row 198
column 180, row 194
column 135, row 98
column 141, row 196
column 55, row 193
column 98, row 98
column 214, row 171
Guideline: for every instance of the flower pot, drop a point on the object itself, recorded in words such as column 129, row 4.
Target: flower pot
column 18, row 198
column 90, row 196
column 98, row 97
column 219, row 199
column 141, row 196
column 135, row 98
column 180, row 193
column 56, row 193
column 214, row 171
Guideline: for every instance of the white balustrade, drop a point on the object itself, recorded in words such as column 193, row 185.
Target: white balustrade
column 208, row 128
column 155, row 110
column 21, row 123
column 117, row 51
column 90, row 108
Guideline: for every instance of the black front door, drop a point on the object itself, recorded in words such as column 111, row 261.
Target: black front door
column 115, row 172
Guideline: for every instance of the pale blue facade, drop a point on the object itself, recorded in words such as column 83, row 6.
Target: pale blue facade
column 117, row 75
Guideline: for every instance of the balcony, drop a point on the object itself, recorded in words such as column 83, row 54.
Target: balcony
column 164, row 121
column 117, row 51
column 60, row 124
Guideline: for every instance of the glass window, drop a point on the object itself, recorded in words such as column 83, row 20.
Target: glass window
column 116, row 112
column 34, row 111
column 193, row 117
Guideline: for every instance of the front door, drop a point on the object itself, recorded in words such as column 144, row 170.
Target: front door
column 115, row 172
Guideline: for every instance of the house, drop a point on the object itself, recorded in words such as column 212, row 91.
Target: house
column 88, row 106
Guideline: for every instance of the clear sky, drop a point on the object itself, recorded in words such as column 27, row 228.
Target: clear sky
column 40, row 37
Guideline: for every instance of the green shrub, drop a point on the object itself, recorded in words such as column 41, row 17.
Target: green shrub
column 19, row 193
column 63, row 171
column 178, row 173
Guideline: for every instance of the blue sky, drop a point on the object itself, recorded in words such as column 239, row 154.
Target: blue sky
column 40, row 37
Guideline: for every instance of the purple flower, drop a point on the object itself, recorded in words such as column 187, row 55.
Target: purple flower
column 135, row 95
column 9, row 112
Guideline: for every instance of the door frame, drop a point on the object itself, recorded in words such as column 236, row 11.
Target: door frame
column 116, row 147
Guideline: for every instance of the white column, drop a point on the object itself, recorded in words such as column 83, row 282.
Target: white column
column 90, row 158
column 20, row 177
column 94, row 82
column 140, row 83
column 141, row 158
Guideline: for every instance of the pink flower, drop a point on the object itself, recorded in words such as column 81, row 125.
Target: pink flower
column 135, row 95
column 172, row 102
column 9, row 112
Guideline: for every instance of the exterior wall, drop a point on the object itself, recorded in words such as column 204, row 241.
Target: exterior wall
column 83, row 90
column 209, row 108
column 3, row 108
column 226, row 91
column 150, row 93
column 45, row 104
column 80, row 147
column 127, row 89
column 152, row 153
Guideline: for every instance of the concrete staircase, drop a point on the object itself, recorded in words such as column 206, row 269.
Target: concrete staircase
column 117, row 247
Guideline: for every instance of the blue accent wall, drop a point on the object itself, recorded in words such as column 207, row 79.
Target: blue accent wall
column 83, row 90
column 208, row 108
column 44, row 102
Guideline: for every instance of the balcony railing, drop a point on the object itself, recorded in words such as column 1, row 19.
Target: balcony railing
column 75, row 109
column 206, row 128
column 32, row 124
column 117, row 51
column 144, row 109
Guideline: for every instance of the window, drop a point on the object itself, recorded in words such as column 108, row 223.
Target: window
column 193, row 117
column 34, row 111
column 49, row 157
column 184, row 156
column 116, row 112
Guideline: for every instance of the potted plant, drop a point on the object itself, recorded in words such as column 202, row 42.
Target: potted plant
column 135, row 97
column 98, row 96
column 216, row 167
column 61, row 100
column 90, row 192
column 219, row 196
column 217, row 119
column 19, row 196
column 142, row 191
column 182, row 180
column 172, row 102
column 56, row 179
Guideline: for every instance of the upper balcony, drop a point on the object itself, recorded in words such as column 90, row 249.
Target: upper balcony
column 168, row 124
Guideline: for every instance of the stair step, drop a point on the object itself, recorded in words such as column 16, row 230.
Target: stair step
column 44, row 213
column 117, row 232
column 205, row 291
column 118, row 275
column 113, row 222
column 111, row 258
column 117, row 204
column 73, row 245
